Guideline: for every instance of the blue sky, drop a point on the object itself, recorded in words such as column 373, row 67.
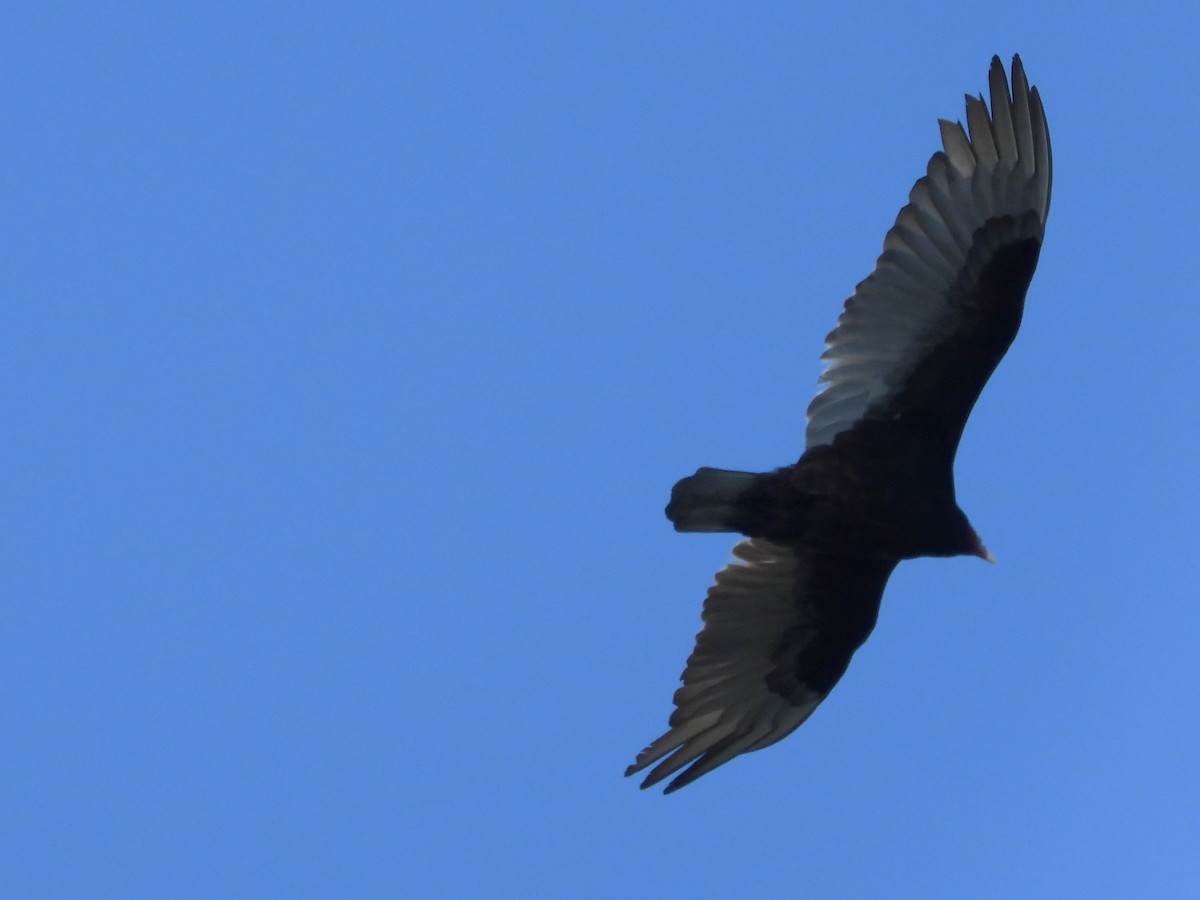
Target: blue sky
column 349, row 354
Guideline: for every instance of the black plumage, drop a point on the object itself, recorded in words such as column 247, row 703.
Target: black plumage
column 911, row 352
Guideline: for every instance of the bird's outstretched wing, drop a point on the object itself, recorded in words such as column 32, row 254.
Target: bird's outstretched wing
column 926, row 329
column 779, row 630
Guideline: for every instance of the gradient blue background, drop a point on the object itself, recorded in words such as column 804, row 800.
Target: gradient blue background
column 349, row 353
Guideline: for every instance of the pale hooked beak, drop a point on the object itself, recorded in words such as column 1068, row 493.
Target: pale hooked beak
column 982, row 552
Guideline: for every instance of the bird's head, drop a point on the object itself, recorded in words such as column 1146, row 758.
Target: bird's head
column 968, row 539
column 954, row 536
column 977, row 548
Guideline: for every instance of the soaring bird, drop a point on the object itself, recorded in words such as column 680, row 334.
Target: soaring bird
column 912, row 350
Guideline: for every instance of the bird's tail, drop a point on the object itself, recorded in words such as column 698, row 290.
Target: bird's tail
column 707, row 501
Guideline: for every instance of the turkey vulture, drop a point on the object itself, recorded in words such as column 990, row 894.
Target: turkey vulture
column 911, row 352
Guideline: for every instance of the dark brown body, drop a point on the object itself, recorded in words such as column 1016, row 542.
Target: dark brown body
column 884, row 505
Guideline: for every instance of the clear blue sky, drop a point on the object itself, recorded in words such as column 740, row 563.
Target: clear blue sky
column 349, row 353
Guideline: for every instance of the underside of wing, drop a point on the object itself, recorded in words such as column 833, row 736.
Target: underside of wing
column 779, row 630
column 955, row 265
